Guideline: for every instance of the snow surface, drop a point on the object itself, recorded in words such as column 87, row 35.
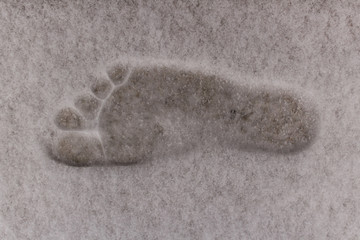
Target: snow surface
column 48, row 50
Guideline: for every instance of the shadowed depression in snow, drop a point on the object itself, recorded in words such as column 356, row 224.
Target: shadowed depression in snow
column 140, row 108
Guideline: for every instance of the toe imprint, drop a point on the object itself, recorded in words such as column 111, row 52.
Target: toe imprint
column 142, row 108
column 79, row 150
column 69, row 119
column 117, row 73
column 101, row 87
column 88, row 106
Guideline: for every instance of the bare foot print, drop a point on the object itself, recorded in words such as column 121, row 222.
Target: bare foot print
column 141, row 107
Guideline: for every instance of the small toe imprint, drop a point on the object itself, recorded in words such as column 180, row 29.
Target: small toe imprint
column 88, row 106
column 117, row 73
column 69, row 119
column 101, row 88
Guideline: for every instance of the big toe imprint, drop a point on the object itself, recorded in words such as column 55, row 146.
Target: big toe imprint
column 141, row 107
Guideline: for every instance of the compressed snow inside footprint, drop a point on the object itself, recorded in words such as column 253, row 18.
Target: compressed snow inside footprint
column 275, row 121
column 207, row 107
